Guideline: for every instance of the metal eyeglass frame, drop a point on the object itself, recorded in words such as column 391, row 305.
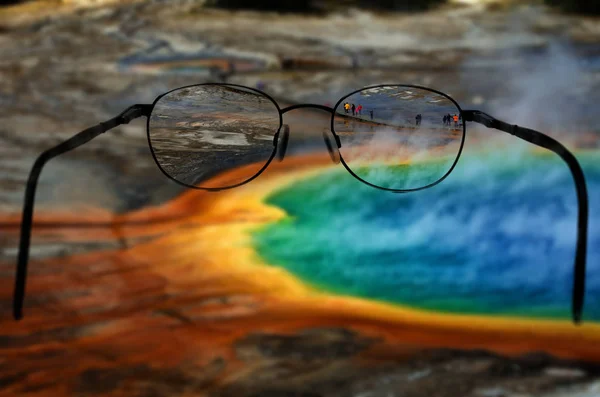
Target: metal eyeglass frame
column 139, row 110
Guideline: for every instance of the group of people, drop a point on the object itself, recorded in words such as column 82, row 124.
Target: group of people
column 356, row 110
column 449, row 119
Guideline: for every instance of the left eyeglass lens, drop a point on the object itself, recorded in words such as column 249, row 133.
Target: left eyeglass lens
column 197, row 133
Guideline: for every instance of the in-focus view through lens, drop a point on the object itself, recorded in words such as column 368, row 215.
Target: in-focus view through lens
column 399, row 137
column 198, row 132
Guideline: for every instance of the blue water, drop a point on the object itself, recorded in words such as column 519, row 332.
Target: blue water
column 497, row 237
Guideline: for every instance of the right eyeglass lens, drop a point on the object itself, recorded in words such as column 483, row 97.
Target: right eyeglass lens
column 199, row 133
column 398, row 137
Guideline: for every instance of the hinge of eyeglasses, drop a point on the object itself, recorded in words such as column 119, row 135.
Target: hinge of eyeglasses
column 133, row 112
column 491, row 122
column 478, row 117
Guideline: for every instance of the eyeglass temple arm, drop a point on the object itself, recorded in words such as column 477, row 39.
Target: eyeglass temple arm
column 542, row 140
column 85, row 136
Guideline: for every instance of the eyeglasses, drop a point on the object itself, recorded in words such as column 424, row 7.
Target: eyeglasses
column 399, row 138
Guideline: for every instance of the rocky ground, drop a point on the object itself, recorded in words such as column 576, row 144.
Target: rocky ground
column 63, row 70
column 316, row 363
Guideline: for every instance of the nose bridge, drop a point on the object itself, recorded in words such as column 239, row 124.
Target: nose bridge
column 307, row 105
column 308, row 121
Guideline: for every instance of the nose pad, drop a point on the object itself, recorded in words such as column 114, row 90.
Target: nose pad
column 332, row 147
column 283, row 142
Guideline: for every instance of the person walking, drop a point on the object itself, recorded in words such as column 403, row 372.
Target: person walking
column 445, row 120
column 359, row 108
column 418, row 119
column 455, row 121
column 371, row 111
column 353, row 110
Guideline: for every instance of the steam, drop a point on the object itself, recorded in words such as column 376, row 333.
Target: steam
column 427, row 151
column 546, row 92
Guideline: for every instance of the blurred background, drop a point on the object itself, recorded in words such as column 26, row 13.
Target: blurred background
column 135, row 284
